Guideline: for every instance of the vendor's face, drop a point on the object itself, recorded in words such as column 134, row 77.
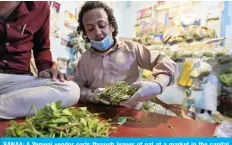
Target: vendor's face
column 96, row 24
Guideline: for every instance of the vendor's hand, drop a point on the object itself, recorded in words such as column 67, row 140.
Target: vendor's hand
column 146, row 91
column 96, row 99
column 54, row 73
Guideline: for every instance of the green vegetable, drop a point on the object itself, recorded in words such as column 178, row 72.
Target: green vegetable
column 227, row 79
column 117, row 93
column 122, row 120
column 53, row 121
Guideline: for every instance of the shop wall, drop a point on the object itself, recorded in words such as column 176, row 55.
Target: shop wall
column 57, row 49
column 228, row 25
column 128, row 14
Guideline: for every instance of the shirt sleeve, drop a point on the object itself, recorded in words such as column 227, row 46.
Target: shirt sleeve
column 41, row 50
column 163, row 68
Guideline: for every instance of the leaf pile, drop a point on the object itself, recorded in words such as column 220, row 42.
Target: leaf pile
column 53, row 121
column 117, row 93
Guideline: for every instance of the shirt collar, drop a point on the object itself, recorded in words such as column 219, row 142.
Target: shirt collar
column 25, row 8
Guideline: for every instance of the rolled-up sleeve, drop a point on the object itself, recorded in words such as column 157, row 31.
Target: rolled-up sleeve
column 163, row 68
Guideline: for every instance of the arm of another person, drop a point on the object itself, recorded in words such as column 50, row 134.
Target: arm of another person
column 42, row 54
column 41, row 50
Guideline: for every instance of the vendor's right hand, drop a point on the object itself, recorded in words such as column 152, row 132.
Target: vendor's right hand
column 97, row 99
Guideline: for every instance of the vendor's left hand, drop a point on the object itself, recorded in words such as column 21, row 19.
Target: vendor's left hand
column 54, row 73
column 146, row 91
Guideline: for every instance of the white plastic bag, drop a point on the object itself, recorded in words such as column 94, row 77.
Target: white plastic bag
column 224, row 130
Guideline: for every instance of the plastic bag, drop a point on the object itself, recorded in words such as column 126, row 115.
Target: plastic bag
column 200, row 69
column 224, row 130
column 198, row 34
column 156, row 108
column 205, row 117
column 188, row 34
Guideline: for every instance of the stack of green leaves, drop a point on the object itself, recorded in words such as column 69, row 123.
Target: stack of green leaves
column 117, row 93
column 53, row 121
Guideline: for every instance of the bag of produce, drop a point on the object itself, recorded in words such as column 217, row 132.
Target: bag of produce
column 205, row 32
column 197, row 33
column 211, row 33
column 188, row 34
column 224, row 130
column 200, row 69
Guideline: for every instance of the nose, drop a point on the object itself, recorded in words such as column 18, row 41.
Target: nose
column 98, row 32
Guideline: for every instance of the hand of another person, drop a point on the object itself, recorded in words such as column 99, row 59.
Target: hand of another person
column 54, row 73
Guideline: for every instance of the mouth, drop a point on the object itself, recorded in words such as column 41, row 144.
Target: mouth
column 100, row 39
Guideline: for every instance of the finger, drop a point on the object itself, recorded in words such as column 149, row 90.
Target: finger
column 41, row 74
column 47, row 75
column 54, row 65
column 132, row 101
column 61, row 76
column 104, row 101
column 54, row 74
column 44, row 74
column 67, row 77
column 100, row 89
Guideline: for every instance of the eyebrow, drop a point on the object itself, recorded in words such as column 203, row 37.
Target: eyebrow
column 97, row 22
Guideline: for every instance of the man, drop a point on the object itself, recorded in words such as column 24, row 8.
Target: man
column 110, row 60
column 24, row 26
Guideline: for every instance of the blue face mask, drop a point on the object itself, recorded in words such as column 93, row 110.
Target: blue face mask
column 103, row 45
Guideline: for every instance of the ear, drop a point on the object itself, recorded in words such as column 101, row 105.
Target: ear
column 111, row 28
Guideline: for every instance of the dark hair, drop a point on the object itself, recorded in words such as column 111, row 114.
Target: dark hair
column 90, row 5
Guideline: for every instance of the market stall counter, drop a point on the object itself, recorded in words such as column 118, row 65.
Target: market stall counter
column 145, row 124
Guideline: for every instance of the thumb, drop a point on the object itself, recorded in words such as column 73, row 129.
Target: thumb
column 54, row 65
column 100, row 89
column 135, row 85
column 44, row 74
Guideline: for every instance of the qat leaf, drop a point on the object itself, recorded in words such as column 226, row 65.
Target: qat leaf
column 122, row 120
column 67, row 112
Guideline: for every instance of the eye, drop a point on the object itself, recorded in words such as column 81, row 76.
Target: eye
column 90, row 29
column 102, row 26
